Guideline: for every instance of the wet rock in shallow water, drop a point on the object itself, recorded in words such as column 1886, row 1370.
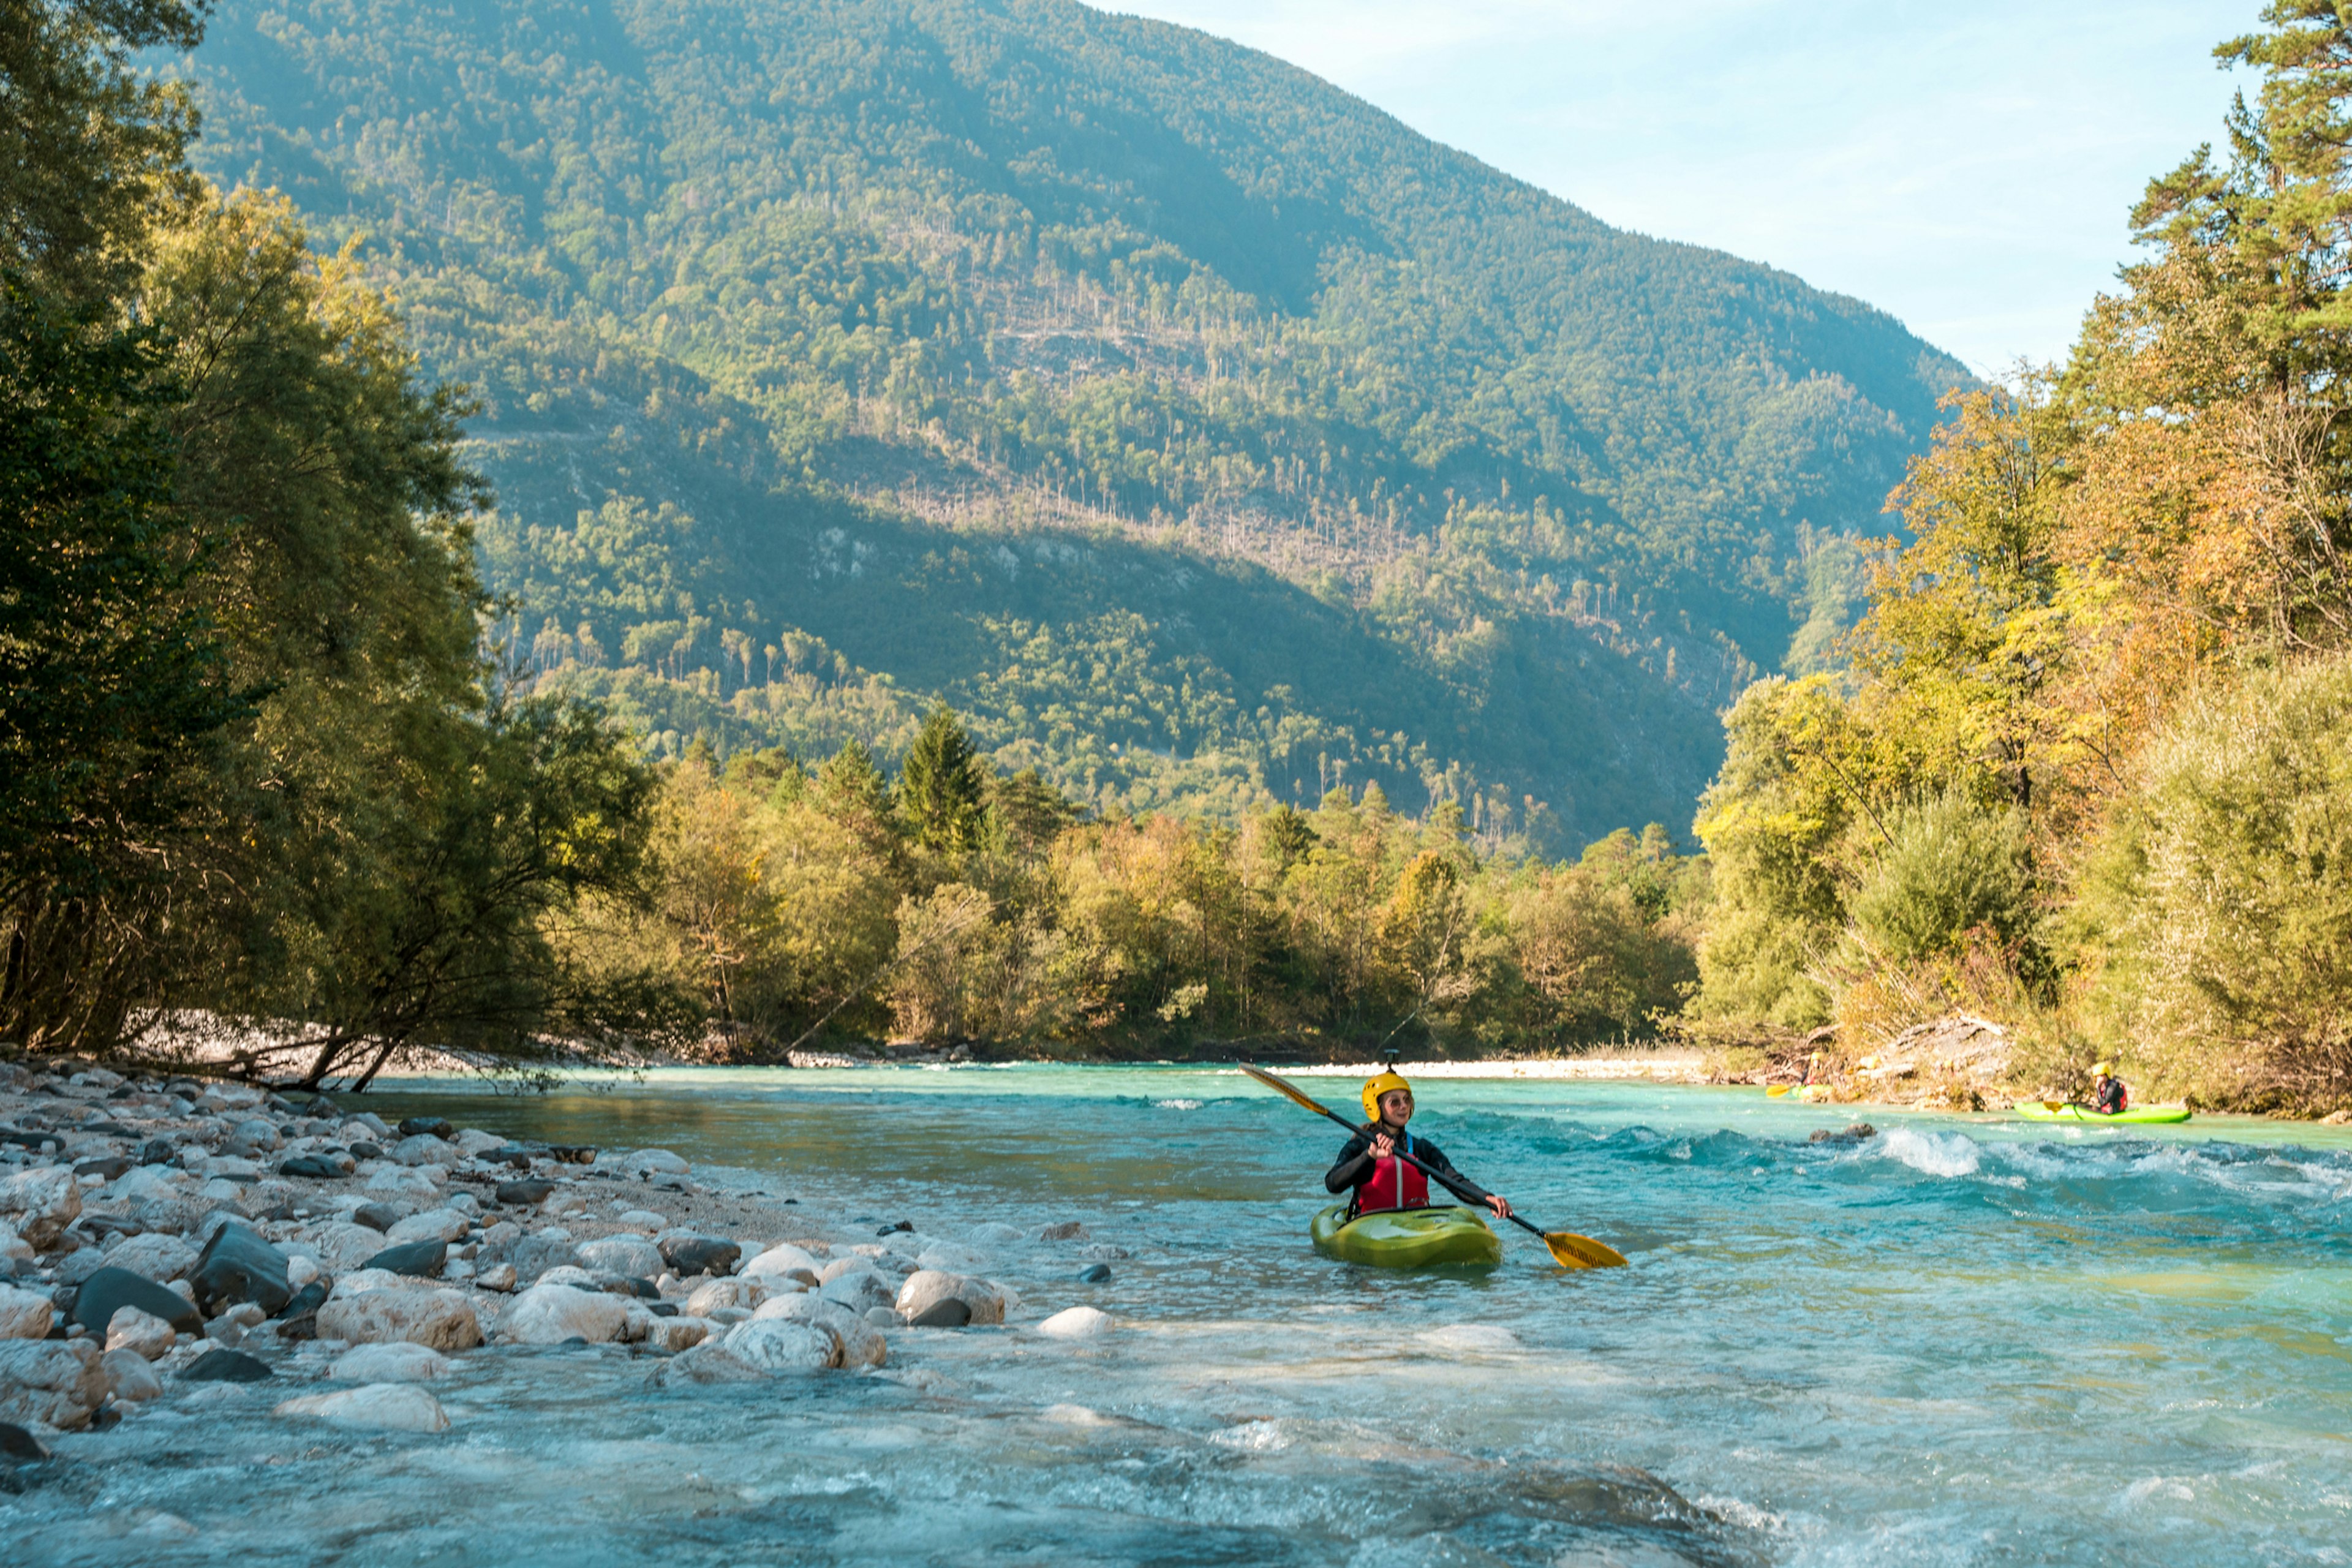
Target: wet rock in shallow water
column 948, row 1313
column 885, row 1316
column 707, row 1363
column 25, row 1314
column 692, row 1255
column 55, row 1382
column 1858, row 1132
column 630, row 1256
column 991, row 1234
column 140, row 1333
column 393, row 1362
column 549, row 1314
column 858, row 1344
column 109, row 1289
column 425, row 1126
column 154, row 1256
column 236, row 1265
column 926, row 1289
column 421, row 1259
column 218, row 1365
column 781, row 1345
column 860, row 1290
column 675, row 1334
column 949, row 1257
column 1077, row 1324
column 1095, row 1274
column 378, row 1407
column 314, row 1167
column 1063, row 1230
column 129, row 1377
column 40, row 1202
column 439, row 1320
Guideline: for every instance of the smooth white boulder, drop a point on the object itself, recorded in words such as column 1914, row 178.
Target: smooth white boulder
column 432, row 1224
column 143, row 1334
column 378, row 1407
column 152, row 1256
column 25, row 1314
column 1077, row 1324
column 141, row 1184
column 344, row 1244
column 631, row 1255
column 707, row 1363
column 439, row 1320
column 40, row 1202
column 779, row 1260
column 394, row 1361
column 550, row 1315
column 654, row 1163
column 129, row 1377
column 783, row 1346
column 860, row 1290
column 402, row 1181
column 736, row 1291
column 423, row 1149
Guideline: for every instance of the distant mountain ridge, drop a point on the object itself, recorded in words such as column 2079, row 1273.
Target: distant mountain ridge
column 1199, row 430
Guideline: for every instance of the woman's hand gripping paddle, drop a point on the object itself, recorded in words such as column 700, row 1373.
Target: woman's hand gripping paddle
column 1569, row 1249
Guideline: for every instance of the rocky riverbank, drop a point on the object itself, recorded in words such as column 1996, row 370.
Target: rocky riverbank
column 166, row 1243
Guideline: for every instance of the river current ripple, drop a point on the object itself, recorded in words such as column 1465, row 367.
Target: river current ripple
column 1960, row 1342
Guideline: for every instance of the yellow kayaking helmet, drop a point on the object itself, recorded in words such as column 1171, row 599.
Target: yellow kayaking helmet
column 1376, row 1087
column 2101, row 1070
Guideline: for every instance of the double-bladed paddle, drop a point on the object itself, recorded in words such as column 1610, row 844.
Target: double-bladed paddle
column 1568, row 1248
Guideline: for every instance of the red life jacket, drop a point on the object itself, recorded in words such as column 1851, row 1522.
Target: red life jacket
column 1393, row 1184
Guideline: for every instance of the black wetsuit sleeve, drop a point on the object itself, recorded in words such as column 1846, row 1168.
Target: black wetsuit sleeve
column 1355, row 1164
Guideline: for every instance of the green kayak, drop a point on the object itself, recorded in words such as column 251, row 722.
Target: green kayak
column 1406, row 1238
column 2137, row 1116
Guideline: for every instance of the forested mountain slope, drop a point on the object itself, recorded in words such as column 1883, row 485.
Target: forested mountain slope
column 1199, row 430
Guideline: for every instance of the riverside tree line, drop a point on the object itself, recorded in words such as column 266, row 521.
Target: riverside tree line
column 2084, row 765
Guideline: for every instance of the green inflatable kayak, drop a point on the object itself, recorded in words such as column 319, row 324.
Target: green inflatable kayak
column 1406, row 1238
column 2137, row 1116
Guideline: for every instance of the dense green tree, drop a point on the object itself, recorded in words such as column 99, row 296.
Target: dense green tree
column 943, row 786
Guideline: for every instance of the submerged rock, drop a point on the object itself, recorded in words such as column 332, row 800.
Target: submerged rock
column 1095, row 1274
column 391, row 1362
column 378, row 1407
column 1063, row 1230
column 857, row 1345
column 221, row 1365
column 860, row 1290
column 707, row 1363
column 1860, row 1132
column 923, row 1300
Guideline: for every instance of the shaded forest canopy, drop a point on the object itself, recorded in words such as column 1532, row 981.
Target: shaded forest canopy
column 1202, row 434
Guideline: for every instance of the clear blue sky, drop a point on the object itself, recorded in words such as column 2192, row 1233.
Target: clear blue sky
column 1966, row 167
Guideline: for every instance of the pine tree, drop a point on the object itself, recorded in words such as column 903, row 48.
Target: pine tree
column 944, row 790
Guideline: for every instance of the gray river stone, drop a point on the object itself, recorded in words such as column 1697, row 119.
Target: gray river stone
column 420, row 1259
column 217, row 1365
column 631, row 1257
column 236, row 1265
column 109, row 1289
column 315, row 1167
column 690, row 1254
column 378, row 1217
column 54, row 1382
column 526, row 1193
column 1095, row 1274
column 426, row 1126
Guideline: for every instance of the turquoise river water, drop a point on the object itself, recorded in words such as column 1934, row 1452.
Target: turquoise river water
column 1965, row 1340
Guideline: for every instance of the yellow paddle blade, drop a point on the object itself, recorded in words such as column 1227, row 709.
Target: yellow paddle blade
column 1281, row 1088
column 2053, row 1105
column 1573, row 1251
column 1778, row 1089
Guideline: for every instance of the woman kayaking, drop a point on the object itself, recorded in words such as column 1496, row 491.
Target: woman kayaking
column 2109, row 1095
column 1369, row 1164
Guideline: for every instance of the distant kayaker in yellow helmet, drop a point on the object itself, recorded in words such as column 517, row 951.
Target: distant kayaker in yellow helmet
column 2109, row 1095
column 1370, row 1165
